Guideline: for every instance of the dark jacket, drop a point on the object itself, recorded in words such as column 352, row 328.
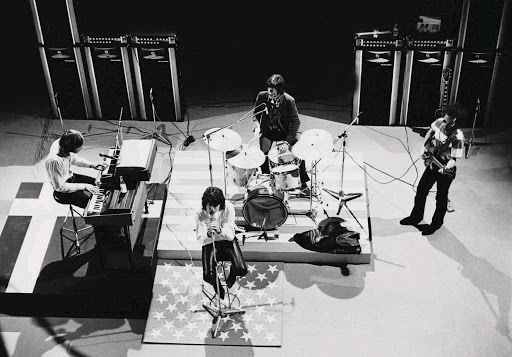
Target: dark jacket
column 281, row 123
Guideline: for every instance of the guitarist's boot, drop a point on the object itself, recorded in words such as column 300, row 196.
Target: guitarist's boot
column 410, row 221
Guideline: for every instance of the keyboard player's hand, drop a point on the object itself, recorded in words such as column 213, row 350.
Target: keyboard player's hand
column 92, row 189
column 101, row 166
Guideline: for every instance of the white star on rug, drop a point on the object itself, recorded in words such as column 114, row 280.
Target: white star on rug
column 155, row 333
column 168, row 325
column 236, row 327
column 251, row 268
column 181, row 316
column 195, row 291
column 260, row 310
column 178, row 334
column 272, row 269
column 171, row 307
column 248, row 301
column 258, row 327
column 176, row 274
column 186, row 283
column 183, row 299
column 250, row 285
column 269, row 336
column 246, row 336
column 191, row 326
column 248, row 318
column 226, row 319
column 167, row 266
column 158, row 315
column 261, row 294
column 272, row 285
column 189, row 266
column 174, row 290
column 164, row 282
column 193, row 308
column 271, row 301
column 261, row 277
column 270, row 318
column 162, row 298
column 224, row 335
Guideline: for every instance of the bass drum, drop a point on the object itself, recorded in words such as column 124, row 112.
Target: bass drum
column 264, row 207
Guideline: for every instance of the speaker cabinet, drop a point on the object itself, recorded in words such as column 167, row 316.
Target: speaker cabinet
column 61, row 58
column 156, row 77
column 426, row 79
column 110, row 75
column 377, row 72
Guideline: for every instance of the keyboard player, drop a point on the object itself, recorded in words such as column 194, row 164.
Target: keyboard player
column 68, row 186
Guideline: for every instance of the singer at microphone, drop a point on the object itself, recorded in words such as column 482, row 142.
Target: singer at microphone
column 279, row 122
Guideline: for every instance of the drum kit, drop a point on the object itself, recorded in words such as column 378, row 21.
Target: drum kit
column 266, row 195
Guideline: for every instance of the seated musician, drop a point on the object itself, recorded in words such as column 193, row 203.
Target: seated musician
column 70, row 187
column 216, row 225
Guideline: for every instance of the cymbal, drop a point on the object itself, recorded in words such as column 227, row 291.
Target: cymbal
column 312, row 149
column 222, row 140
column 250, row 157
column 320, row 134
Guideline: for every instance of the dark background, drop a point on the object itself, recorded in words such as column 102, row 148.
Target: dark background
column 226, row 49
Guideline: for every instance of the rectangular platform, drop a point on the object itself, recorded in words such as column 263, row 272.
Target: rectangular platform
column 190, row 177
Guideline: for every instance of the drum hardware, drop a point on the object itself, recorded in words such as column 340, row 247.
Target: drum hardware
column 343, row 197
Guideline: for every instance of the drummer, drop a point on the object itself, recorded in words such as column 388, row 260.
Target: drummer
column 279, row 125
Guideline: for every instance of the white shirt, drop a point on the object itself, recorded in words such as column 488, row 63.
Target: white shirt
column 226, row 222
column 59, row 169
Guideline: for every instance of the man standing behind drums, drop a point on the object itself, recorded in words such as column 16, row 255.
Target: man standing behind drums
column 279, row 124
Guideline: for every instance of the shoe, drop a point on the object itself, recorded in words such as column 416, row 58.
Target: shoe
column 430, row 229
column 230, row 281
column 409, row 221
column 305, row 190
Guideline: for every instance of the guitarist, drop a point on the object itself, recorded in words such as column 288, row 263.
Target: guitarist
column 442, row 146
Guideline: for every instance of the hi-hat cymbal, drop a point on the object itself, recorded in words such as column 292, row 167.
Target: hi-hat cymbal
column 311, row 149
column 222, row 140
column 320, row 134
column 250, row 157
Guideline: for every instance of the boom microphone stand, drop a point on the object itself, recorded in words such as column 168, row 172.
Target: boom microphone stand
column 469, row 143
column 343, row 197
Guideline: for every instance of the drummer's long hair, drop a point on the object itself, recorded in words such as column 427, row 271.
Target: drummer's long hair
column 215, row 197
column 276, row 81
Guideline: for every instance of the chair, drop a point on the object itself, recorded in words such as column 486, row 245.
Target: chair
column 77, row 237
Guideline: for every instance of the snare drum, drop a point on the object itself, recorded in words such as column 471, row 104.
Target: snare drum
column 276, row 159
column 264, row 207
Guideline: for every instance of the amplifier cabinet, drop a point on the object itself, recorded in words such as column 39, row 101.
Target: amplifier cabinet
column 110, row 76
column 156, row 77
column 426, row 80
column 377, row 74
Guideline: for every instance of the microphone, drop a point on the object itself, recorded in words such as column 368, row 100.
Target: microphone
column 108, row 156
column 266, row 108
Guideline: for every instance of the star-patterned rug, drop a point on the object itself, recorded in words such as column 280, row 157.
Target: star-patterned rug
column 177, row 314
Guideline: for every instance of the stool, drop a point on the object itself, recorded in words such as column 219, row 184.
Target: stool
column 221, row 309
column 76, row 238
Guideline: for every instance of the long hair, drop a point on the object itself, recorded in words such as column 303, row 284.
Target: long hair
column 215, row 197
column 276, row 81
column 70, row 141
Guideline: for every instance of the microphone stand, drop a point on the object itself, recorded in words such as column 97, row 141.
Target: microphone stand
column 156, row 132
column 58, row 111
column 469, row 143
column 343, row 197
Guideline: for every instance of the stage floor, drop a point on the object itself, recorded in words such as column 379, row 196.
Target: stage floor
column 190, row 177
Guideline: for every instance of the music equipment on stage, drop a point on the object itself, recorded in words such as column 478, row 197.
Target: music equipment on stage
column 136, row 160
column 154, row 65
column 110, row 75
column 377, row 70
column 425, row 79
column 430, row 158
column 243, row 163
column 58, row 43
column 285, row 169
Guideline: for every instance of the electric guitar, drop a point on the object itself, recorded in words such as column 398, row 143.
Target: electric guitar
column 430, row 158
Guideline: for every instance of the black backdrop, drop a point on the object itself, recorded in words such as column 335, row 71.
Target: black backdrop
column 231, row 45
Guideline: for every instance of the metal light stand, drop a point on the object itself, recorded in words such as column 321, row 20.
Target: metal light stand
column 343, row 197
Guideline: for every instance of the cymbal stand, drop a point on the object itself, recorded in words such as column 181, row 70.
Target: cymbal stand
column 343, row 197
column 58, row 111
column 469, row 143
